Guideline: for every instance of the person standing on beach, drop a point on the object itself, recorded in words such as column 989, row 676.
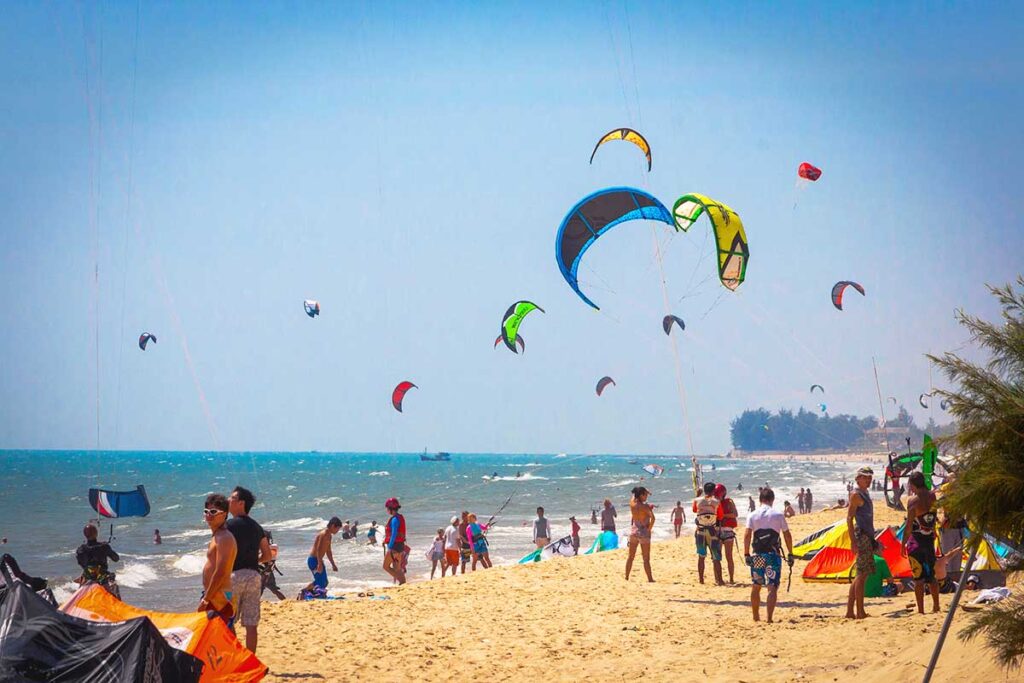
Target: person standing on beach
column 727, row 514
column 322, row 548
column 394, row 542
column 860, row 520
column 253, row 548
column 465, row 548
column 475, row 533
column 593, row 515
column 762, row 536
column 220, row 558
column 574, row 534
column 451, row 547
column 640, row 530
column 608, row 516
column 706, row 535
column 800, row 501
column 808, row 501
column 919, row 544
column 436, row 554
column 541, row 529
column 678, row 517
column 371, row 533
column 750, row 504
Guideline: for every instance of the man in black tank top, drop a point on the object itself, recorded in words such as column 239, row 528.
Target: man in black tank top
column 860, row 521
column 919, row 540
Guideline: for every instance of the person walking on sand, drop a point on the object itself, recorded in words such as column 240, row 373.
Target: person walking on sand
column 640, row 530
column 475, row 533
column 322, row 548
column 727, row 514
column 762, row 536
column 678, row 517
column 394, row 542
column 574, row 534
column 919, row 544
column 253, row 548
column 220, row 558
column 608, row 516
column 706, row 535
column 451, row 547
column 860, row 520
column 437, row 554
column 541, row 529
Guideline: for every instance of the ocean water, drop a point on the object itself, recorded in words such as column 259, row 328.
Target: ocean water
column 44, row 504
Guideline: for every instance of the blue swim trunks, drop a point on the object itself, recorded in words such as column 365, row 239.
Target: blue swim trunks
column 766, row 569
column 319, row 579
column 708, row 538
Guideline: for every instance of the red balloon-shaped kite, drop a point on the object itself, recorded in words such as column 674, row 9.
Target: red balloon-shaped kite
column 808, row 172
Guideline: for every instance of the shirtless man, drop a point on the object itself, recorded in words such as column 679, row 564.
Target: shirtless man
column 640, row 531
column 220, row 558
column 919, row 544
column 678, row 517
column 322, row 547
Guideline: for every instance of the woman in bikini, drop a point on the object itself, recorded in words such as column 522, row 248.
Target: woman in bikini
column 640, row 531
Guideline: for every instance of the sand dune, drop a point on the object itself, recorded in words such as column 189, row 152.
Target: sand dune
column 578, row 619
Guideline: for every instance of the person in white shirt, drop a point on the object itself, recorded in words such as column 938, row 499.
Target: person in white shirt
column 764, row 525
column 436, row 554
column 541, row 529
column 451, row 547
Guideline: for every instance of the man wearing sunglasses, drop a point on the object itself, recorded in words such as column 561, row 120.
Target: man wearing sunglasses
column 220, row 558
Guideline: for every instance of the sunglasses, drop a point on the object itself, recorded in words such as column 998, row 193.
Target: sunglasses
column 212, row 513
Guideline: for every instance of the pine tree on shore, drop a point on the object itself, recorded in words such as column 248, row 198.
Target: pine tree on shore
column 988, row 404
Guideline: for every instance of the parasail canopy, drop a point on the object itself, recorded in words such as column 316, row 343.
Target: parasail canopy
column 145, row 338
column 730, row 237
column 593, row 216
column 629, row 135
column 312, row 307
column 602, row 383
column 513, row 318
column 839, row 288
column 399, row 394
column 666, row 323
column 817, row 386
column 120, row 503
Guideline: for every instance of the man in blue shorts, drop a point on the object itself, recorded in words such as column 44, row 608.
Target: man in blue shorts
column 764, row 525
column 707, row 533
column 321, row 548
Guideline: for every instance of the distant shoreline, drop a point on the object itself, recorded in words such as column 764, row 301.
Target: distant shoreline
column 874, row 457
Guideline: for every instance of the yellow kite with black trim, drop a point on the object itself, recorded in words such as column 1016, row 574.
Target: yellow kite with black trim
column 731, row 239
column 629, row 135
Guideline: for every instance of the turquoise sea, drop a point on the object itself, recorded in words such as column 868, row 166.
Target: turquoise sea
column 44, row 504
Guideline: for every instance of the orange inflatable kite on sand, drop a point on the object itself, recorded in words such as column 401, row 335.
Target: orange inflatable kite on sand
column 224, row 658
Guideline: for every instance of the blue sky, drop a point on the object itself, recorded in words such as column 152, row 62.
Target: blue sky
column 409, row 166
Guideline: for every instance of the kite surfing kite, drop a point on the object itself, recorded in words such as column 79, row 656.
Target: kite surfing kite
column 730, row 238
column 513, row 319
column 120, row 503
column 519, row 342
column 666, row 323
column 629, row 135
column 936, row 472
column 654, row 470
column 822, row 407
column 312, row 307
column 593, row 216
column 399, row 393
column 923, row 400
column 603, row 382
column 808, row 171
column 893, row 399
column 840, row 287
column 817, row 386
column 944, row 404
column 145, row 338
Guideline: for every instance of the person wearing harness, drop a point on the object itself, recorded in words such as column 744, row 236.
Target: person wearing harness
column 92, row 557
column 762, row 536
column 860, row 520
column 706, row 535
column 727, row 515
column 475, row 534
column 394, row 541
column 919, row 544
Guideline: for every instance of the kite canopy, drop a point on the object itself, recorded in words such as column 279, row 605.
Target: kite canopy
column 835, row 562
column 730, row 237
column 513, row 318
column 629, row 135
column 893, row 399
column 120, row 503
column 561, row 548
column 807, row 547
column 666, row 323
column 817, row 386
column 822, row 407
column 935, row 471
column 399, row 393
column 312, row 307
column 840, row 287
column 603, row 382
column 808, row 172
column 606, row 540
column 922, row 400
column 654, row 470
column 519, row 342
column 944, row 404
column 595, row 215
column 145, row 338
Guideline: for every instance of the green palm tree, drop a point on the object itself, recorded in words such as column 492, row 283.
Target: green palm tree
column 988, row 404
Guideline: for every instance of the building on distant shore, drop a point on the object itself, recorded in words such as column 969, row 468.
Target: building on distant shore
column 894, row 438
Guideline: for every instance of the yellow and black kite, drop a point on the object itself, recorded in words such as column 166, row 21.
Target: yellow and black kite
column 629, row 135
column 730, row 237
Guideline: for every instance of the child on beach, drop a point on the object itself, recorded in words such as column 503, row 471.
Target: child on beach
column 436, row 553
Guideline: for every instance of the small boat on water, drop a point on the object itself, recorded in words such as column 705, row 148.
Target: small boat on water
column 436, row 457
